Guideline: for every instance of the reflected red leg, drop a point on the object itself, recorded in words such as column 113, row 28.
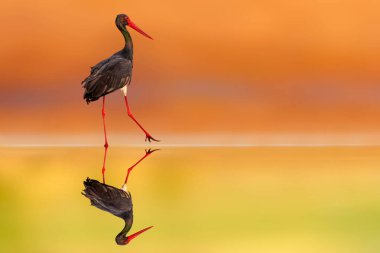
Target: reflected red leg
column 104, row 164
column 105, row 140
column 147, row 135
column 147, row 153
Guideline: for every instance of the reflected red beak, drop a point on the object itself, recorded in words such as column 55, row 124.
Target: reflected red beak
column 134, row 26
column 133, row 236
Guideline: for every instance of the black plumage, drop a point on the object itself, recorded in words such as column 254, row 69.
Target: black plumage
column 108, row 198
column 107, row 76
column 115, row 201
column 114, row 73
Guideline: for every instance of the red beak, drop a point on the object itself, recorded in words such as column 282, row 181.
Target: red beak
column 132, row 25
column 132, row 236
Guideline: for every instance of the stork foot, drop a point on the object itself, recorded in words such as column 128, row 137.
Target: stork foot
column 150, row 138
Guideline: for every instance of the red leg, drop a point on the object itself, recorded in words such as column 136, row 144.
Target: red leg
column 147, row 153
column 105, row 139
column 147, row 135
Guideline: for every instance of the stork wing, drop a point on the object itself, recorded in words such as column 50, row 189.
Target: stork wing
column 107, row 76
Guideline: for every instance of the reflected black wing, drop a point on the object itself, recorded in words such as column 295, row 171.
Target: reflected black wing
column 108, row 198
column 107, row 76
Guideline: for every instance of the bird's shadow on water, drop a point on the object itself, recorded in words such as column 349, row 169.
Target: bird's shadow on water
column 117, row 201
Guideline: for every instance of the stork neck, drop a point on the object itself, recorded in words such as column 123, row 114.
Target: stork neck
column 121, row 238
column 128, row 47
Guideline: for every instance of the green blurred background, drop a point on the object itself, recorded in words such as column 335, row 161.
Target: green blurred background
column 198, row 199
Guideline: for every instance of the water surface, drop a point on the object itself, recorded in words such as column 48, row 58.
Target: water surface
column 198, row 199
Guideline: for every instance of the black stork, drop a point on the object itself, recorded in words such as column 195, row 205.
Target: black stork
column 114, row 73
column 115, row 201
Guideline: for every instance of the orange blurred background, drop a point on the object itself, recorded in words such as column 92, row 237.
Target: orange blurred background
column 215, row 68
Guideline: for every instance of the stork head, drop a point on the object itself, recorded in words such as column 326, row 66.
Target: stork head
column 122, row 21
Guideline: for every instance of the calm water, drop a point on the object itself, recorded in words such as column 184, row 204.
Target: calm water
column 198, row 199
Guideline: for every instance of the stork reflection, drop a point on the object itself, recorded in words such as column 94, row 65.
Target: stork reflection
column 117, row 201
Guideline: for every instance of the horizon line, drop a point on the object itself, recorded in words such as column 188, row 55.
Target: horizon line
column 195, row 145
column 195, row 140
